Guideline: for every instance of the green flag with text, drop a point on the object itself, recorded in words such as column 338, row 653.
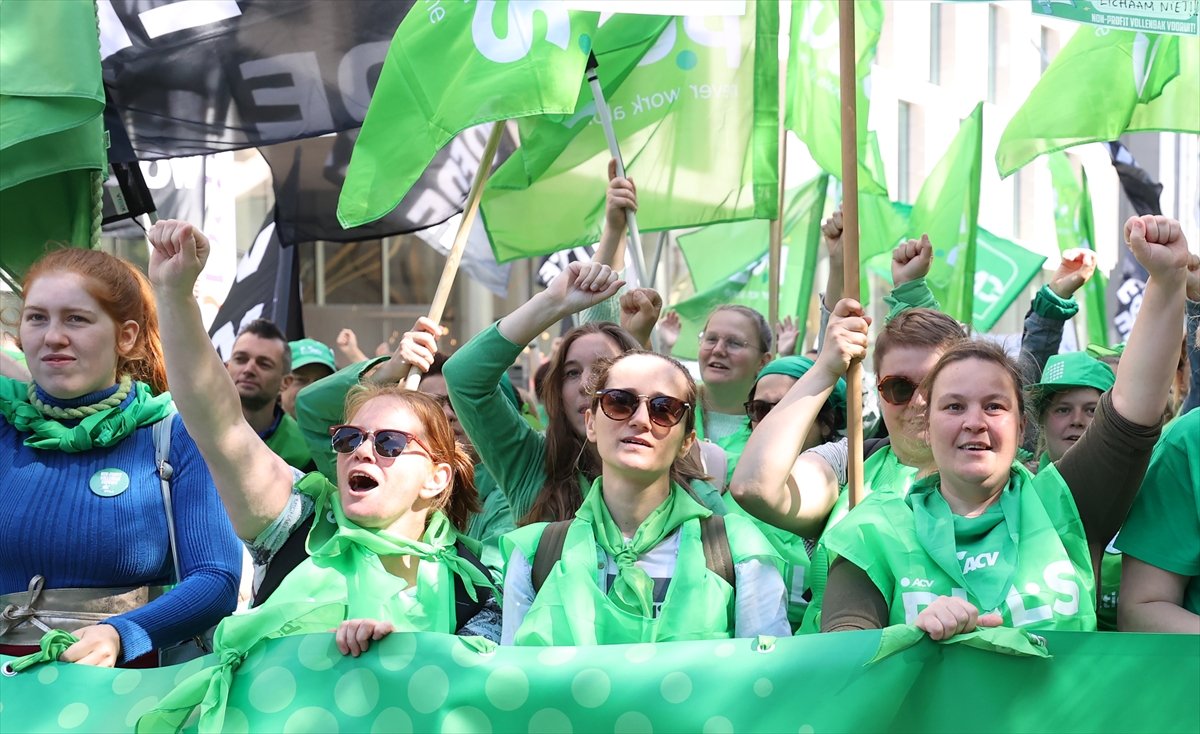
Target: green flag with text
column 813, row 100
column 729, row 264
column 947, row 209
column 1074, row 225
column 697, row 122
column 1102, row 84
column 451, row 66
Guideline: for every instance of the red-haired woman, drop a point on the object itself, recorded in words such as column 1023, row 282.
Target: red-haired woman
column 87, row 530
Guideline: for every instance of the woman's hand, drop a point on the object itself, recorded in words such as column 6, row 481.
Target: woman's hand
column 418, row 347
column 179, row 252
column 911, row 260
column 949, row 615
column 99, row 645
column 581, row 285
column 1159, row 245
column 1076, row 268
column 668, row 331
column 620, row 196
column 354, row 636
column 786, row 334
column 347, row 346
column 845, row 338
column 640, row 308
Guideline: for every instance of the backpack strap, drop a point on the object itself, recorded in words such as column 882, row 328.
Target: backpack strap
column 717, row 554
column 161, row 432
column 548, row 552
column 465, row 608
column 715, row 462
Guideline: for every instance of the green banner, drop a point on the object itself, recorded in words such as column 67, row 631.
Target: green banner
column 1151, row 16
column 1002, row 270
column 1105, row 83
column 729, row 264
column 424, row 682
column 697, row 121
column 51, row 129
column 451, row 66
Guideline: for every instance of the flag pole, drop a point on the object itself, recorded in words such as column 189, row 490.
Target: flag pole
column 442, row 295
column 636, row 258
column 775, row 252
column 854, row 407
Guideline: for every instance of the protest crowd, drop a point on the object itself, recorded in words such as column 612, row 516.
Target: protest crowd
column 199, row 500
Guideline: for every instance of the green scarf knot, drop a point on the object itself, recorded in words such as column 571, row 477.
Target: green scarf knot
column 53, row 644
column 102, row 428
column 633, row 589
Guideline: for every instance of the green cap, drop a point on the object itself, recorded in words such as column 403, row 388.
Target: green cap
column 311, row 351
column 1100, row 351
column 1070, row 370
column 796, row 367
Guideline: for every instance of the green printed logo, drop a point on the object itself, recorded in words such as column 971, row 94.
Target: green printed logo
column 109, row 482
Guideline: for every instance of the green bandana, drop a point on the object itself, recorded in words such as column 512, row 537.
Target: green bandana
column 633, row 589
column 102, row 429
column 941, row 532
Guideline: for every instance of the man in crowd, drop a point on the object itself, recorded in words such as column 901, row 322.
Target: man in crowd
column 311, row 360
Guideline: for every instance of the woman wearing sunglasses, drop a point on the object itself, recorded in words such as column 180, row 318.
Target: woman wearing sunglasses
column 385, row 544
column 982, row 542
column 655, row 580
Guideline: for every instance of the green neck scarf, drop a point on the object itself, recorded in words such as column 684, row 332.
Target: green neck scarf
column 101, row 429
column 329, row 540
column 633, row 589
column 936, row 524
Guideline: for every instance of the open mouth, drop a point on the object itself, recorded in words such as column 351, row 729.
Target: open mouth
column 975, row 446
column 360, row 482
column 635, row 441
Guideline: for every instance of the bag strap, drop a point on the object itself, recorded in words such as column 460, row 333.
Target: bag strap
column 871, row 445
column 465, row 608
column 715, row 462
column 717, row 554
column 548, row 552
column 161, row 431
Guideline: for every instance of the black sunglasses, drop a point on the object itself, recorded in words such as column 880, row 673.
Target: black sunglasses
column 756, row 410
column 897, row 390
column 389, row 443
column 620, row 405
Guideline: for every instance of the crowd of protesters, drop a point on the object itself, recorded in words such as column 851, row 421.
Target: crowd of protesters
column 633, row 504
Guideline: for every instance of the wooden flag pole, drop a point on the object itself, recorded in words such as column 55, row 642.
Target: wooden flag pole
column 775, row 251
column 851, row 288
column 636, row 258
column 442, row 295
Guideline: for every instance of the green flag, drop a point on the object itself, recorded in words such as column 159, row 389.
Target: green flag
column 697, row 122
column 947, row 209
column 1002, row 270
column 1103, row 84
column 708, row 256
column 1075, row 228
column 451, row 66
column 813, row 101
column 51, row 129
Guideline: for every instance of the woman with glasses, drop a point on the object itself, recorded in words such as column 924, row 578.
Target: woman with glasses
column 642, row 560
column 385, row 543
column 979, row 541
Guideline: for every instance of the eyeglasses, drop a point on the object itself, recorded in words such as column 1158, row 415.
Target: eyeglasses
column 897, row 390
column 758, row 409
column 620, row 405
column 388, row 443
column 710, row 341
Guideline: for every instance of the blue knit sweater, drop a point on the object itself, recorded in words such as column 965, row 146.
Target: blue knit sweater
column 53, row 524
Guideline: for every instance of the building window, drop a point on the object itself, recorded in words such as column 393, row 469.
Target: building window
column 998, row 35
column 910, row 129
column 1024, row 203
column 935, row 44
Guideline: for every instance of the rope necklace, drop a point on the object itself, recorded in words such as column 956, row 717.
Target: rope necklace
column 81, row 411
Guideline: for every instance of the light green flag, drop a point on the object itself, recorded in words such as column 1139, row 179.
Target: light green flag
column 52, row 149
column 1002, row 270
column 451, row 66
column 697, row 122
column 947, row 209
column 813, row 78
column 1074, row 225
column 1102, row 84
column 729, row 264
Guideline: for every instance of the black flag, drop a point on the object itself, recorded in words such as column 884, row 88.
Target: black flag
column 1143, row 193
column 201, row 77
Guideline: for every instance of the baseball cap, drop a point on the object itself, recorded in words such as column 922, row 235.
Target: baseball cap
column 1070, row 370
column 311, row 351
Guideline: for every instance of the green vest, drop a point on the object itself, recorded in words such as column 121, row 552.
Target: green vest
column 796, row 563
column 1110, row 589
column 882, row 472
column 1050, row 583
column 288, row 444
column 572, row 609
